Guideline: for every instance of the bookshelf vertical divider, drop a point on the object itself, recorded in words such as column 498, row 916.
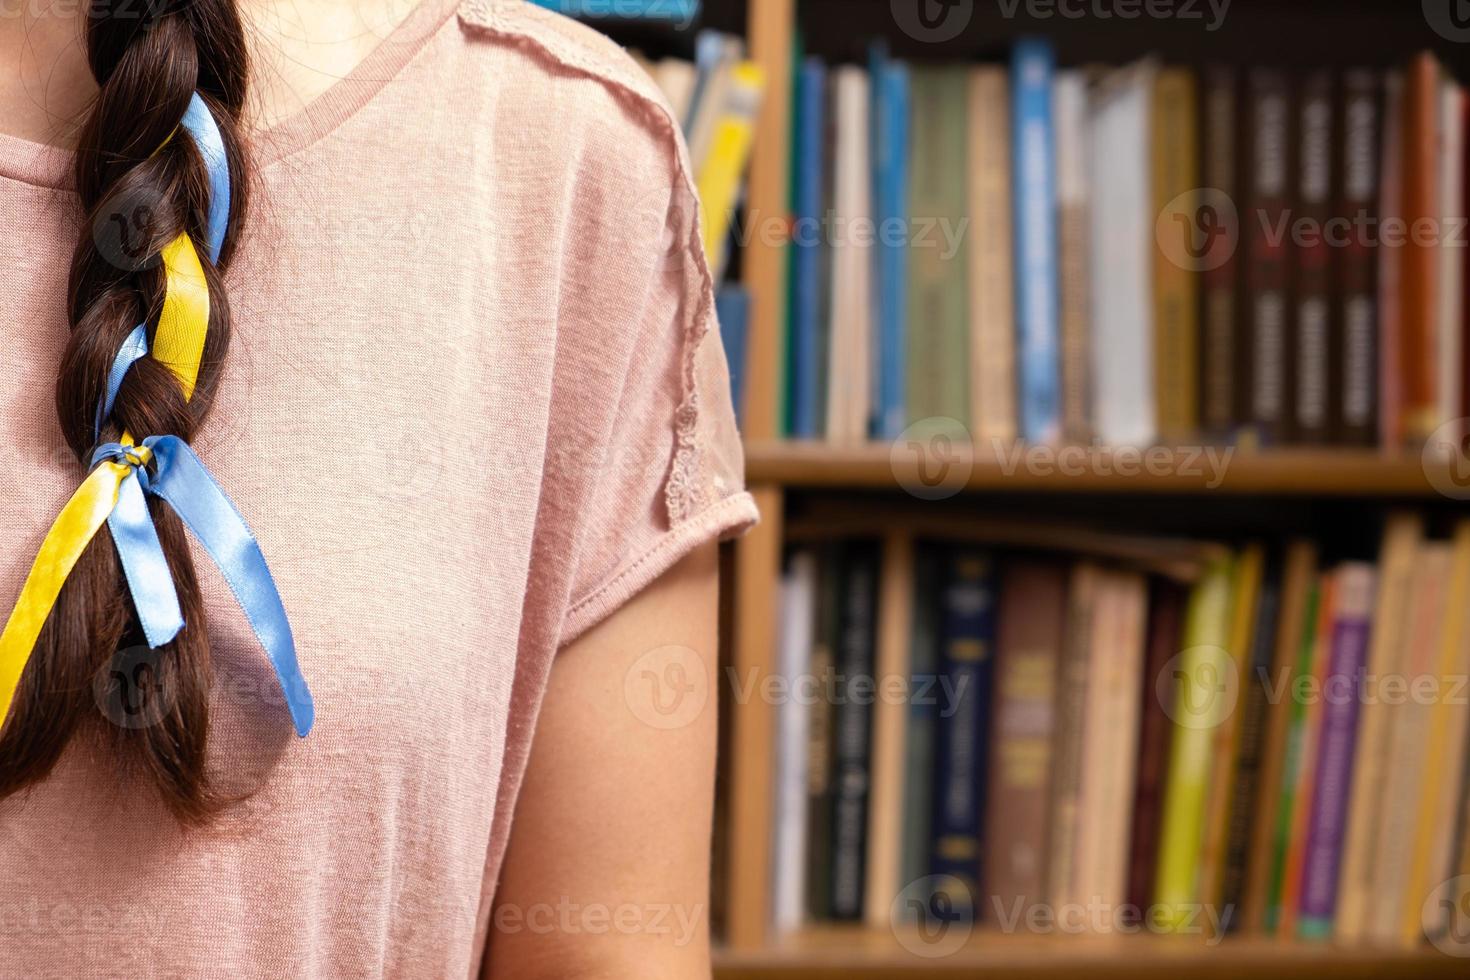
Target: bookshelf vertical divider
column 771, row 33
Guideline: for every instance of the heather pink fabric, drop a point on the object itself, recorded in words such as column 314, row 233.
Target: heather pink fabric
column 474, row 403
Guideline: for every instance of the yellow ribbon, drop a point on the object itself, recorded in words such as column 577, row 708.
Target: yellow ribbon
column 81, row 518
column 178, row 342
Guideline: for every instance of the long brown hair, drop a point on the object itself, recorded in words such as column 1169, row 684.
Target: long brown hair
column 141, row 185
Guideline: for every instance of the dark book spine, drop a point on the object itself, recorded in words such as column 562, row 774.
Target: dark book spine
column 852, row 724
column 1165, row 626
column 1263, row 375
column 1356, row 365
column 967, row 658
column 820, row 738
column 1220, row 282
column 1239, row 840
column 1312, row 327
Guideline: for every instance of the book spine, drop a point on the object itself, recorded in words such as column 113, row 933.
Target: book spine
column 820, row 738
column 1312, row 321
column 1175, row 174
column 1391, row 269
column 992, row 277
column 807, row 242
column 1337, row 747
column 852, row 724
column 1419, row 295
column 1219, row 284
column 1166, row 621
column 732, row 310
column 1066, row 778
column 967, row 660
column 1029, row 638
column 927, row 698
column 1070, row 105
column 788, row 866
column 891, row 86
column 1034, row 170
column 1359, row 168
column 1265, row 232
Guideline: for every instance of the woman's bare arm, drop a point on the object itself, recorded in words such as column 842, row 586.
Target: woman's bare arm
column 607, row 873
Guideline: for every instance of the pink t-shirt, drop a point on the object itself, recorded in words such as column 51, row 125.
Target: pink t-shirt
column 475, row 400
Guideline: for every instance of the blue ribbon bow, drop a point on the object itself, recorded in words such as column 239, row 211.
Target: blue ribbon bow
column 176, row 476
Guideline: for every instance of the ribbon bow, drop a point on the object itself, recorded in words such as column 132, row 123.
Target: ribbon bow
column 166, row 467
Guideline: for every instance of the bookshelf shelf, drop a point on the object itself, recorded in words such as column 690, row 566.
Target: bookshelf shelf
column 1304, row 473
column 857, row 954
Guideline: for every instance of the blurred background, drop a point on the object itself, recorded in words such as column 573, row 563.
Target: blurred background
column 1103, row 375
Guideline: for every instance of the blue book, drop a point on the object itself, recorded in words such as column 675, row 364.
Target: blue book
column 732, row 309
column 962, row 736
column 1034, row 165
column 892, row 98
column 808, row 241
column 673, row 11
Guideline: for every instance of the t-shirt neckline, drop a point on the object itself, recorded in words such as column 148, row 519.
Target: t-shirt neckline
column 47, row 165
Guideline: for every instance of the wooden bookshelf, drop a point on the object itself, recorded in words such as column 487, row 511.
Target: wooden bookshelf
column 817, row 477
column 839, row 954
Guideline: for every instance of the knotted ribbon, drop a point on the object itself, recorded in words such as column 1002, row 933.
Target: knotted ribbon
column 123, row 473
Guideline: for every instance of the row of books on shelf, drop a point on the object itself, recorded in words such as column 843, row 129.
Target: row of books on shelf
column 1248, row 739
column 1133, row 255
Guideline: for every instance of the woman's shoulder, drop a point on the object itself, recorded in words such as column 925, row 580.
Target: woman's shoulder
column 569, row 75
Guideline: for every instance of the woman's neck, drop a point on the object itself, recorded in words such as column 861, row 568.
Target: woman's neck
column 298, row 49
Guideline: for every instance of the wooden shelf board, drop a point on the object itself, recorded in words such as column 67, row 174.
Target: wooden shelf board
column 1325, row 473
column 857, row 954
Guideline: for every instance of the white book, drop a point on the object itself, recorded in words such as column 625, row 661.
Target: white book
column 676, row 77
column 1451, row 251
column 1121, row 245
column 797, row 634
column 851, row 327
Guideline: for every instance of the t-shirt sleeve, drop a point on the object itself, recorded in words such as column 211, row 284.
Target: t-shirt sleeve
column 653, row 464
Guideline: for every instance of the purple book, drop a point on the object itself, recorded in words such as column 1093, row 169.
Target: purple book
column 1339, row 738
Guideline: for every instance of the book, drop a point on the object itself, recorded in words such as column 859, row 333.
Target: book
column 821, row 736
column 938, row 355
column 732, row 311
column 1402, row 535
column 715, row 57
column 992, row 283
column 1266, row 245
column 1336, row 747
column 1174, row 171
column 1420, row 269
column 1063, row 885
column 797, row 638
column 1410, row 720
column 849, row 390
column 1297, row 612
column 1359, row 189
column 891, row 99
column 1165, row 629
column 723, row 170
column 852, row 728
column 1391, row 430
column 966, row 663
column 1034, row 173
column 1069, row 101
column 676, row 78
column 809, row 244
column 1029, row 633
column 1311, row 327
column 1199, row 701
column 927, row 698
column 1219, row 280
column 1121, row 245
column 1450, row 313
column 1435, row 852
column 1110, row 741
column 1219, row 803
column 890, row 724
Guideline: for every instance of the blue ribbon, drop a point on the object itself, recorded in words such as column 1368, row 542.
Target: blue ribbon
column 202, row 128
column 180, row 479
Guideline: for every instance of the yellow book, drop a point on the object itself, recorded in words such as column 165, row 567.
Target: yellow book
column 719, row 177
column 1176, row 177
column 1199, row 705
